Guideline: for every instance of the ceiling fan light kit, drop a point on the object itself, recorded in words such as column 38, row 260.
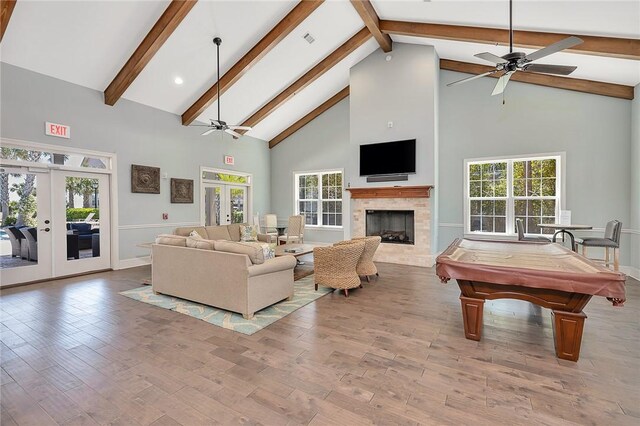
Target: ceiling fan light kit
column 513, row 62
column 220, row 125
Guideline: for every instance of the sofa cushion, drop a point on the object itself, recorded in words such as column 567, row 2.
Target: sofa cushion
column 200, row 243
column 234, row 231
column 252, row 250
column 185, row 231
column 171, row 240
column 217, row 233
column 248, row 233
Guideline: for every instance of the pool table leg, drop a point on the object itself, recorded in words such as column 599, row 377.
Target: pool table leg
column 472, row 310
column 567, row 333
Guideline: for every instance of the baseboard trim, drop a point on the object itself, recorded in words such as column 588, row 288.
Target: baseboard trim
column 133, row 262
column 631, row 271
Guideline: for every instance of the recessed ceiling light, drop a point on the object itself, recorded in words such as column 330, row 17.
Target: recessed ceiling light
column 178, row 80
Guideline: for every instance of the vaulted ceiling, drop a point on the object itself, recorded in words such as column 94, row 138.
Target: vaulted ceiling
column 284, row 78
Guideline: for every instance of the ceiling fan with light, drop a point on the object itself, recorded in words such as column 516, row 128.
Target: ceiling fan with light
column 520, row 61
column 219, row 125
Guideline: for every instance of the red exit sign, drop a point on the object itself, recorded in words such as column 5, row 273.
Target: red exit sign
column 58, row 130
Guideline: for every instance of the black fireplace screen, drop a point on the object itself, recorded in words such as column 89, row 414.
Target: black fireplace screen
column 393, row 226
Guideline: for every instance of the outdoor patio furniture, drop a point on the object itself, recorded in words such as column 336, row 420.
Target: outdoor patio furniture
column 31, row 236
column 15, row 237
column 85, row 233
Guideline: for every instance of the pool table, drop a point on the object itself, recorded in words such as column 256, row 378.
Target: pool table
column 546, row 274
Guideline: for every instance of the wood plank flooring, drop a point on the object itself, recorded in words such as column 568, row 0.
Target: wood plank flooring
column 75, row 352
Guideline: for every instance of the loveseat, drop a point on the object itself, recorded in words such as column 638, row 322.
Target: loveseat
column 224, row 273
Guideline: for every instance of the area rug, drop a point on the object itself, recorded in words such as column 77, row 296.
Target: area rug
column 304, row 293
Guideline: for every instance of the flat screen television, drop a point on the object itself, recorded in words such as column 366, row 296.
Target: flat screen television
column 388, row 158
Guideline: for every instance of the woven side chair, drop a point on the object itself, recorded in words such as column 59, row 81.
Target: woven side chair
column 335, row 267
column 366, row 268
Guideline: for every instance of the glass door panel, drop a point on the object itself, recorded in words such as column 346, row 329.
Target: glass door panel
column 81, row 222
column 212, row 204
column 237, row 203
column 25, row 237
column 224, row 204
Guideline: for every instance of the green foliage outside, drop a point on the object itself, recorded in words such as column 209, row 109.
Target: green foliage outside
column 76, row 214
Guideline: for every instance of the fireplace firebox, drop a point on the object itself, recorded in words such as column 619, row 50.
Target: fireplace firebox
column 393, row 226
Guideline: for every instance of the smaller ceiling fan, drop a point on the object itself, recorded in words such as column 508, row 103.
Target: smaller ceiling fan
column 520, row 61
column 219, row 125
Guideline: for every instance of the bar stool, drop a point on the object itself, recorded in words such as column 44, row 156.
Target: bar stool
column 611, row 240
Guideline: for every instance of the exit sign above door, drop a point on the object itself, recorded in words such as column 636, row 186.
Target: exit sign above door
column 57, row 130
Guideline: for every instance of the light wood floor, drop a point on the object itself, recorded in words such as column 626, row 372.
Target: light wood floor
column 76, row 352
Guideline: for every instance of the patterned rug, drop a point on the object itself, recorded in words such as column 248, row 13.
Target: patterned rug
column 304, row 293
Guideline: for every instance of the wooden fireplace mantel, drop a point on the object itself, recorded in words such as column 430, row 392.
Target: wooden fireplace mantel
column 392, row 192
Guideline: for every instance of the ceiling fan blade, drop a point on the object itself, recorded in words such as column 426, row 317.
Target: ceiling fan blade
column 501, row 84
column 464, row 80
column 553, row 48
column 550, row 69
column 215, row 123
column 491, row 58
column 234, row 134
column 208, row 132
column 247, row 128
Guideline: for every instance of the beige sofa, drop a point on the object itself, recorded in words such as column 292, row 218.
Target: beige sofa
column 220, row 275
column 224, row 232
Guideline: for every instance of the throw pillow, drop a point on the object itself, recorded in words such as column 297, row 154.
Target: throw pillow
column 171, row 240
column 268, row 251
column 252, row 250
column 248, row 233
column 199, row 243
column 194, row 234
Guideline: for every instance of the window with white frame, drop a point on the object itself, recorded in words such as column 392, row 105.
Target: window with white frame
column 499, row 191
column 319, row 197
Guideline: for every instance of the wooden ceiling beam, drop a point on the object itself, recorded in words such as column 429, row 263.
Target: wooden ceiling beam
column 310, row 117
column 625, row 48
column 576, row 84
column 257, row 52
column 6, row 9
column 372, row 21
column 160, row 32
column 325, row 65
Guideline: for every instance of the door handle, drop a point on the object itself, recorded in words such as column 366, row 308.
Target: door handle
column 46, row 229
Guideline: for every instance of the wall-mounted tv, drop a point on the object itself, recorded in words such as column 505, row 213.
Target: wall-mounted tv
column 388, row 158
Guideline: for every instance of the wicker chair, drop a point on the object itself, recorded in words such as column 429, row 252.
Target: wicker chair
column 366, row 267
column 335, row 266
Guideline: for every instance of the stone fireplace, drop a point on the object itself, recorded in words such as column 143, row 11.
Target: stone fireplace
column 393, row 226
column 397, row 205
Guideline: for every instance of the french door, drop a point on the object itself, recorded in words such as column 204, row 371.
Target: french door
column 82, row 242
column 26, row 239
column 47, row 239
column 224, row 204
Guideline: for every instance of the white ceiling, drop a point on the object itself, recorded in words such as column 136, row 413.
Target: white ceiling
column 87, row 42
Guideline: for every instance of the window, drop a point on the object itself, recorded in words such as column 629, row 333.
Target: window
column 499, row 191
column 319, row 198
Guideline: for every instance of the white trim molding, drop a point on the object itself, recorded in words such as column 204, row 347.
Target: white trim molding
column 158, row 225
column 133, row 262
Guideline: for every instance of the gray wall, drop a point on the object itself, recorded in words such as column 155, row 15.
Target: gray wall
column 635, row 183
column 403, row 91
column 322, row 144
column 594, row 131
column 138, row 134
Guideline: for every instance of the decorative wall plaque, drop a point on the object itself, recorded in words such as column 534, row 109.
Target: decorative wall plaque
column 145, row 179
column 182, row 190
